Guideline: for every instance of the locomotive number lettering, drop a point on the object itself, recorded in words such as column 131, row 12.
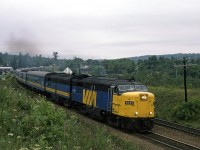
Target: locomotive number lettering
column 129, row 103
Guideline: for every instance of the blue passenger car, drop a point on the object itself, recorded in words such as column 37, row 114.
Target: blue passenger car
column 21, row 75
column 36, row 79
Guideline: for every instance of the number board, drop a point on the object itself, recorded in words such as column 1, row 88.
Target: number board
column 129, row 103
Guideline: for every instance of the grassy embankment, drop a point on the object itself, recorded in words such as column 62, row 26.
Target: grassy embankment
column 31, row 122
column 171, row 105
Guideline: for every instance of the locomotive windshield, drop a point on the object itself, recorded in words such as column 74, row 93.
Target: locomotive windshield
column 138, row 87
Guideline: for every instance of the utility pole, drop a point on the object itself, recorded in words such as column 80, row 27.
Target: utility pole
column 27, row 60
column 17, row 63
column 185, row 75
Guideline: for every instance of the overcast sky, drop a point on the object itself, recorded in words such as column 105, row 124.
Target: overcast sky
column 94, row 29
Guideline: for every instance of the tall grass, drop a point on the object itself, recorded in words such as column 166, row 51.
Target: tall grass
column 28, row 122
column 171, row 105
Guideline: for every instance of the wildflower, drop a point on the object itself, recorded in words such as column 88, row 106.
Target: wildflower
column 23, row 148
column 10, row 134
column 14, row 110
column 36, row 148
column 49, row 147
column 73, row 117
column 13, row 120
column 37, row 128
column 77, row 147
column 43, row 136
column 109, row 140
column 37, row 145
column 18, row 137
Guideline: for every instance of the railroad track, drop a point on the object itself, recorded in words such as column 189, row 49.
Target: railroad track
column 177, row 126
column 168, row 142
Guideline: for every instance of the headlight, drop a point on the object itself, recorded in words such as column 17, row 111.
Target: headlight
column 136, row 113
column 143, row 97
column 150, row 113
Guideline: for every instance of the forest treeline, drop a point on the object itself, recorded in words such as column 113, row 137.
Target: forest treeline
column 153, row 70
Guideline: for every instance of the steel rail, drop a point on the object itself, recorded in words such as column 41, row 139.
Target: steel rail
column 177, row 126
column 169, row 142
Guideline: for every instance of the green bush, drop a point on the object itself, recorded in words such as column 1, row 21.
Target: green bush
column 188, row 111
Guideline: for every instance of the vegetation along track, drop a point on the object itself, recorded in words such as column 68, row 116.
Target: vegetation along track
column 168, row 142
column 177, row 126
column 145, row 136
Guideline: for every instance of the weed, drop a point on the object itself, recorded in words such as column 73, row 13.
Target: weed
column 187, row 111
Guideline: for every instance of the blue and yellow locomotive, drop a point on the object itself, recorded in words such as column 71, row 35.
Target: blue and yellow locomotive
column 122, row 103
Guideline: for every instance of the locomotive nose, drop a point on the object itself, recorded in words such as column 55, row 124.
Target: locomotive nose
column 146, row 105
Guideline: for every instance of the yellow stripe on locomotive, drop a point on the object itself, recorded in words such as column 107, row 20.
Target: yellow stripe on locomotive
column 89, row 97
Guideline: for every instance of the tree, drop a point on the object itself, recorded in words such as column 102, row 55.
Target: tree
column 1, row 59
column 98, row 71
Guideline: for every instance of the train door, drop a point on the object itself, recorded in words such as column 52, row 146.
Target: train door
column 111, row 103
column 116, row 100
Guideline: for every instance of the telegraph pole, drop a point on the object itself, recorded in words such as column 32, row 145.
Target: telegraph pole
column 185, row 75
column 17, row 63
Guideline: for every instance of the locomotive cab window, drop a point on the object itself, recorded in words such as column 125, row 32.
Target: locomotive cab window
column 138, row 87
column 141, row 87
column 124, row 88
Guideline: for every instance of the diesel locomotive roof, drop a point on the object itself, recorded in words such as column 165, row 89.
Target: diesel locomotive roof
column 106, row 81
column 38, row 73
column 60, row 76
column 90, row 79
